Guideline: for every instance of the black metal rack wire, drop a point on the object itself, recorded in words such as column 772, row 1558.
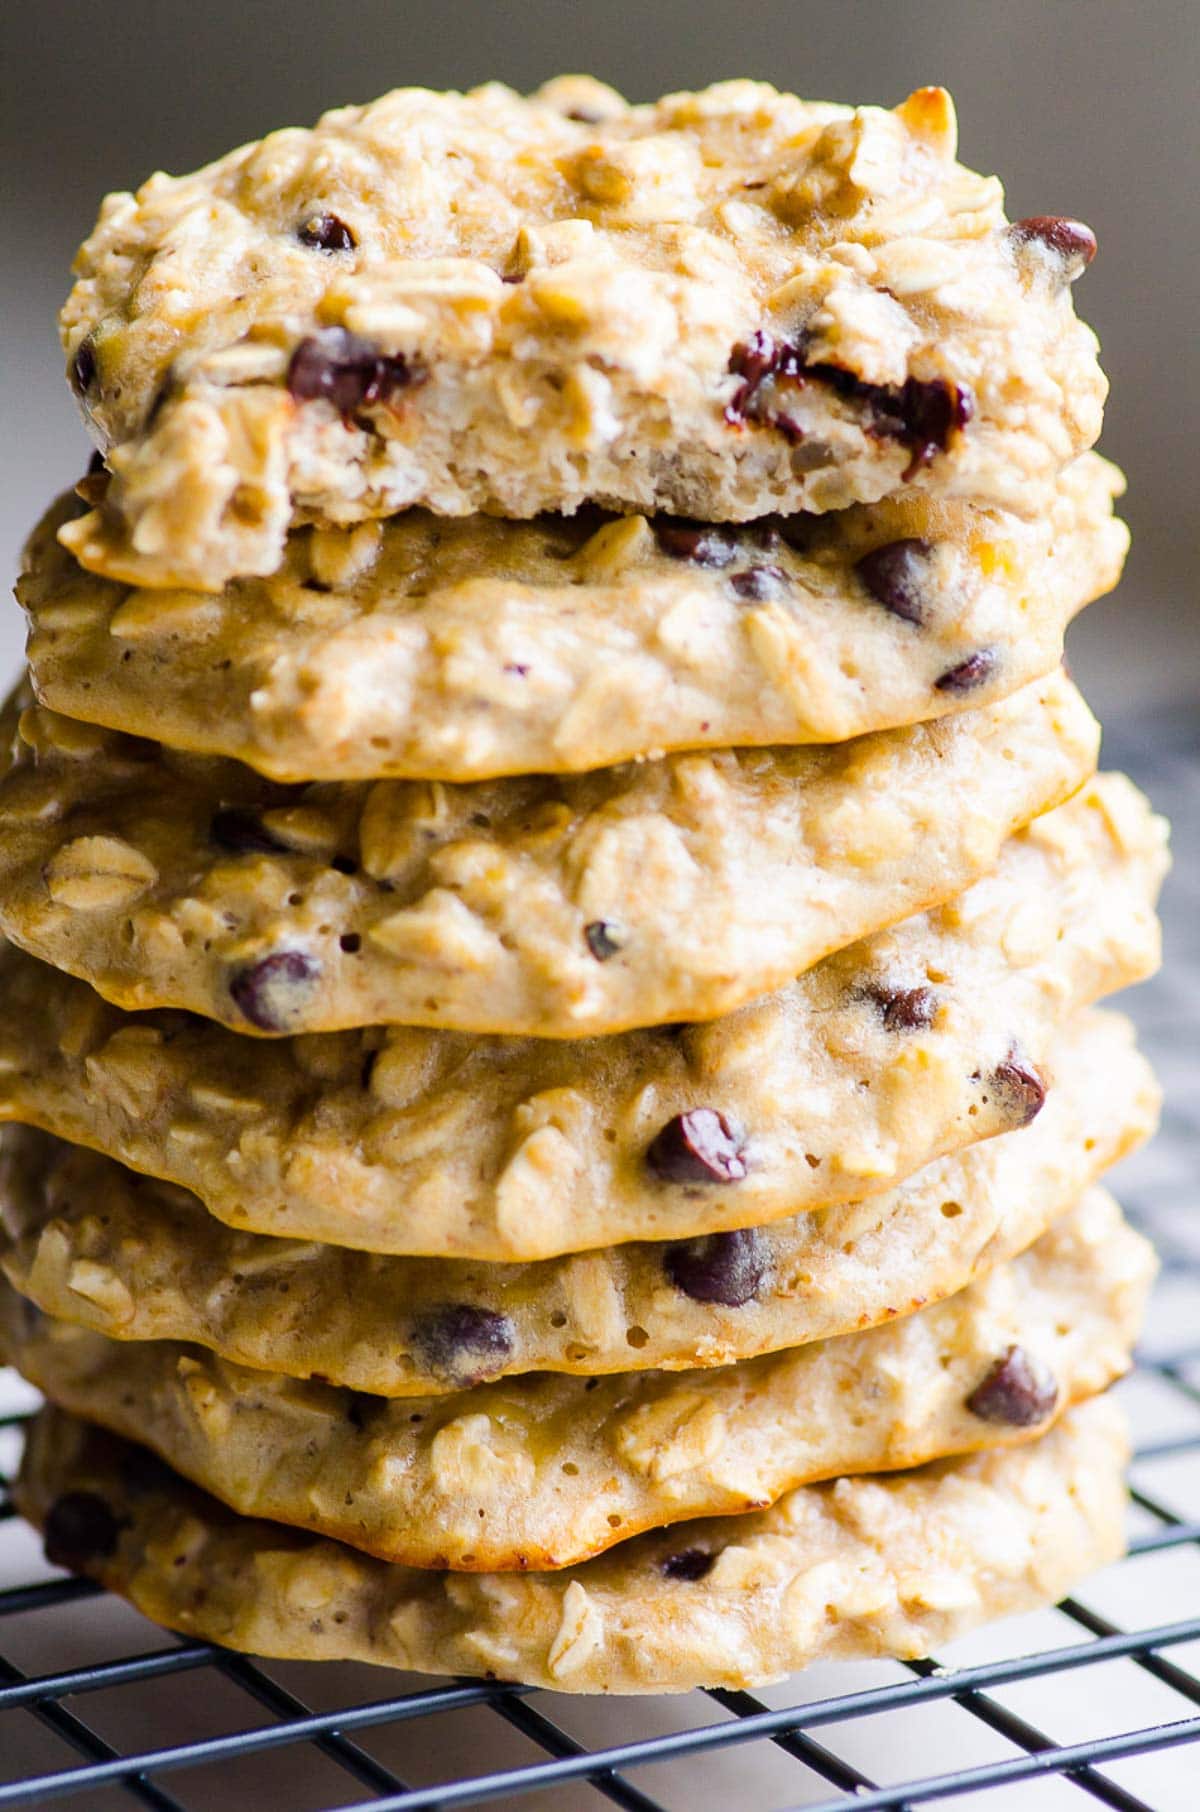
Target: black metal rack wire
column 1098, row 1700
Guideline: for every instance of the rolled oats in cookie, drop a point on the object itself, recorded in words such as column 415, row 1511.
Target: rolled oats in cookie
column 894, row 1565
column 137, row 1259
column 563, row 907
column 546, row 1471
column 461, row 650
column 918, row 1041
column 717, row 305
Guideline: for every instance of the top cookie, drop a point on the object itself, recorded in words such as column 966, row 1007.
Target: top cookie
column 720, row 304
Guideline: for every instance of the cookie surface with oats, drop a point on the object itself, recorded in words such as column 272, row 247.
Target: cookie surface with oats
column 461, row 650
column 919, row 1041
column 137, row 1259
column 561, row 906
column 895, row 1565
column 718, row 305
column 543, row 1472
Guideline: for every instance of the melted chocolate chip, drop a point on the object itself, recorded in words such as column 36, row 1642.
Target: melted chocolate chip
column 728, row 1268
column 1018, row 1391
column 697, row 1147
column 700, row 542
column 754, row 361
column 1020, row 1086
column 970, row 674
column 348, row 371
column 271, row 993
column 602, row 939
column 240, row 830
column 903, row 1009
column 326, row 233
column 79, row 1528
column 83, row 366
column 897, row 576
column 689, row 1564
column 463, row 1343
column 1069, row 240
column 758, row 584
column 921, row 413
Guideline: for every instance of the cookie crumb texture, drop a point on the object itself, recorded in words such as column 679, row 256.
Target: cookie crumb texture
column 168, row 880
column 718, row 305
column 858, row 1568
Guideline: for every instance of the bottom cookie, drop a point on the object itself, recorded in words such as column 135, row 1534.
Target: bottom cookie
column 871, row 1566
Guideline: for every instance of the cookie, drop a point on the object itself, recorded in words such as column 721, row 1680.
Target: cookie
column 916, row 1042
column 560, row 906
column 461, row 650
column 863, row 1567
column 544, row 1471
column 717, row 305
column 138, row 1259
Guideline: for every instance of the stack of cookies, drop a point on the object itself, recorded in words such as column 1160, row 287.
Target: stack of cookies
column 557, row 890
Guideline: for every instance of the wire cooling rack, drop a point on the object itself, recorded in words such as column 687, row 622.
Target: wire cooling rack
column 1098, row 1699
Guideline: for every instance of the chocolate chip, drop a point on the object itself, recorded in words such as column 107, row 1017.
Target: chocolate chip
column 240, row 830
column 83, row 366
column 1018, row 1391
column 1070, row 240
column 758, row 584
column 754, row 361
column 921, row 413
column 897, row 576
column 689, row 1564
column 464, row 1344
column 728, row 1268
column 584, row 116
column 970, row 674
column 602, row 939
column 1021, row 1088
column 700, row 542
column 903, row 1009
column 348, row 371
column 697, row 1147
column 326, row 233
column 96, row 465
column 926, row 412
column 271, row 993
column 79, row 1528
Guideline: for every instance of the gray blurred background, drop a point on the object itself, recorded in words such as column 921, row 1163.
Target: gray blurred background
column 1087, row 107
